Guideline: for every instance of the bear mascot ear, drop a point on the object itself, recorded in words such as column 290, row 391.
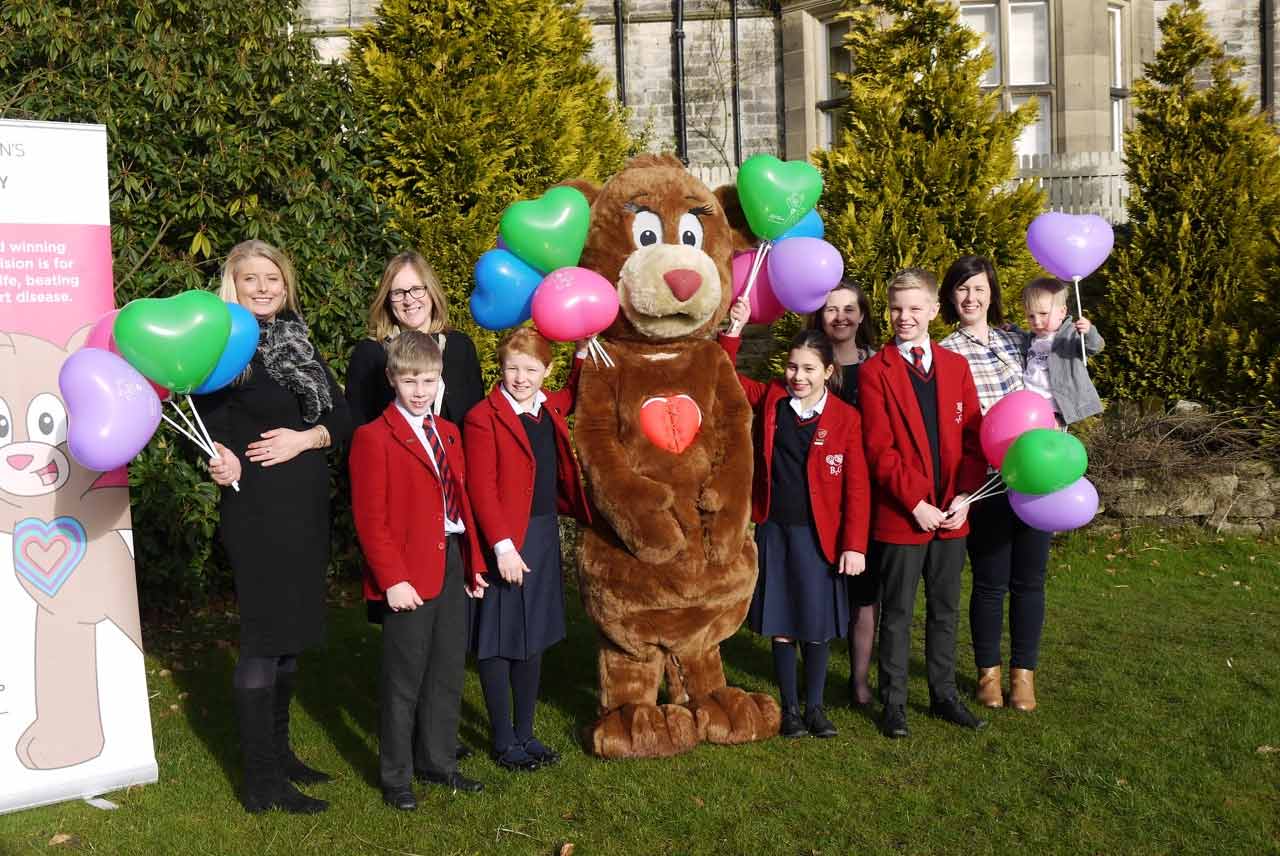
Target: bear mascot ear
column 743, row 239
column 588, row 189
column 78, row 338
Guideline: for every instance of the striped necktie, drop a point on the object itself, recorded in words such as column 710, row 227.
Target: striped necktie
column 451, row 510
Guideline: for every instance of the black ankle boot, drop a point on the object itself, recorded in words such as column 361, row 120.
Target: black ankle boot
column 294, row 770
column 265, row 786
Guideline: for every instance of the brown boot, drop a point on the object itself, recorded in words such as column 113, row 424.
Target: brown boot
column 1022, row 689
column 989, row 691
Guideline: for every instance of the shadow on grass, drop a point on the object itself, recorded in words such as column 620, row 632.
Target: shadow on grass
column 205, row 678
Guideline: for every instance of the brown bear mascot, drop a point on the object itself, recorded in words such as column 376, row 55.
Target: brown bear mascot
column 664, row 436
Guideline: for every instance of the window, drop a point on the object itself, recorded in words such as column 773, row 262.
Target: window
column 1017, row 34
column 1119, row 85
column 834, row 93
column 1036, row 138
column 983, row 19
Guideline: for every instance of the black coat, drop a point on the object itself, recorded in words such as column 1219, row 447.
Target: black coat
column 369, row 392
column 276, row 528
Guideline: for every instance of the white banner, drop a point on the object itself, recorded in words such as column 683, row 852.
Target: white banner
column 74, row 714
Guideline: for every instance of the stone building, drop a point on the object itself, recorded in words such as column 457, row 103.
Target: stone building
column 1077, row 57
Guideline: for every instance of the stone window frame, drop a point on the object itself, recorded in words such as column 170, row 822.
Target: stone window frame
column 1119, row 32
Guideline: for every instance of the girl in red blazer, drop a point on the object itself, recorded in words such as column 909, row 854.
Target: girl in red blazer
column 811, row 507
column 409, row 500
column 524, row 474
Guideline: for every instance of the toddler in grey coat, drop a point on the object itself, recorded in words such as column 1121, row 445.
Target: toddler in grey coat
column 1055, row 367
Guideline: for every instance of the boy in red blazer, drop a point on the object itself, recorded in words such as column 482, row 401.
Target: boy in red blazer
column 920, row 419
column 409, row 498
column 524, row 475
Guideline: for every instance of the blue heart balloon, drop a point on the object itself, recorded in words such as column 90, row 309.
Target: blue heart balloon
column 242, row 343
column 810, row 226
column 504, row 290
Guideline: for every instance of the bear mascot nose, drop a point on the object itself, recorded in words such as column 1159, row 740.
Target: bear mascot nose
column 683, row 282
column 19, row 462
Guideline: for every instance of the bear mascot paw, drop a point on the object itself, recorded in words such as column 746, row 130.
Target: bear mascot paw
column 664, row 437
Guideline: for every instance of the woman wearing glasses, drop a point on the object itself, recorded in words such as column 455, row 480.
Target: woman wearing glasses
column 409, row 297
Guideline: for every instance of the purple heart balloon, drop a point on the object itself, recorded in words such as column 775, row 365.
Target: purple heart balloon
column 1070, row 245
column 111, row 409
column 1060, row 511
column 802, row 271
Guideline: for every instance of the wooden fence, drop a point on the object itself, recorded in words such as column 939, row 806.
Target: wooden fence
column 1077, row 183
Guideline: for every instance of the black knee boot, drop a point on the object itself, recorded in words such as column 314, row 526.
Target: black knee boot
column 265, row 786
column 293, row 769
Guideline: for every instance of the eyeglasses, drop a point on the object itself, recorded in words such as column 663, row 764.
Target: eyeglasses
column 417, row 293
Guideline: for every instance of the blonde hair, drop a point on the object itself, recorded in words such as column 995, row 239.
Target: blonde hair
column 259, row 249
column 909, row 278
column 527, row 341
column 382, row 321
column 1054, row 289
column 413, row 352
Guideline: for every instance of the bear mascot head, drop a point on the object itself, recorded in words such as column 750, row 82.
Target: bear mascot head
column 664, row 436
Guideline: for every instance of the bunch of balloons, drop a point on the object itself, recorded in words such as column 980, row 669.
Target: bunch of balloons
column 1042, row 466
column 533, row 273
column 141, row 355
column 793, row 267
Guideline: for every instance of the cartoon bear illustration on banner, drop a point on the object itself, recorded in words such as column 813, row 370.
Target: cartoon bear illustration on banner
column 664, row 435
column 72, row 552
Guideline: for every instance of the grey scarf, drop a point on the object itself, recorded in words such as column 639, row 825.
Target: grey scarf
column 290, row 360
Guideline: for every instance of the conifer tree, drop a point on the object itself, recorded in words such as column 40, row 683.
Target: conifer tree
column 474, row 104
column 1191, row 300
column 919, row 172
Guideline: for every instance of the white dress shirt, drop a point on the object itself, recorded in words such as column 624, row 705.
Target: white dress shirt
column 451, row 527
column 926, row 362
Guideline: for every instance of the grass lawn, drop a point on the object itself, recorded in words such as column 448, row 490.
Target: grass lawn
column 1158, row 732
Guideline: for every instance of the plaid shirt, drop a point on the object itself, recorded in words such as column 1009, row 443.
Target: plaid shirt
column 997, row 367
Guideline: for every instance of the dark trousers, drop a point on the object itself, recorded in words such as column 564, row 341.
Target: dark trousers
column 901, row 567
column 1008, row 558
column 423, row 660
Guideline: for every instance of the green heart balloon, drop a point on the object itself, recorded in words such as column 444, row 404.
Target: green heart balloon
column 175, row 341
column 775, row 195
column 549, row 232
column 1042, row 461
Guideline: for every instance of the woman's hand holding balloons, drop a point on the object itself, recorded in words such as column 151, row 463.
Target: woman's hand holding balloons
column 225, row 469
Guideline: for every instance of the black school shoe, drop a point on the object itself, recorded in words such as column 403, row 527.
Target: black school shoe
column 516, row 760
column 543, row 756
column 893, row 721
column 792, row 725
column 454, row 780
column 953, row 710
column 816, row 722
column 401, row 798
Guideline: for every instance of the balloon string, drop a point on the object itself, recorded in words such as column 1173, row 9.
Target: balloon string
column 1079, row 315
column 201, row 440
column 756, row 264
column 992, row 487
column 189, row 436
column 196, row 413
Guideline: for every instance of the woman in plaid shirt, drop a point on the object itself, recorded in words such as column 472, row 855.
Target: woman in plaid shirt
column 1008, row 557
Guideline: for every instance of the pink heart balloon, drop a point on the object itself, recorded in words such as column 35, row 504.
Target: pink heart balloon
column 574, row 303
column 765, row 308
column 1011, row 417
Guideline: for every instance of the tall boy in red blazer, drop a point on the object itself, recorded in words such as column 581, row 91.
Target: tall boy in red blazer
column 409, row 498
column 921, row 420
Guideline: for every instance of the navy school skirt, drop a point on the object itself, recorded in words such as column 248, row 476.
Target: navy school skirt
column 798, row 593
column 519, row 622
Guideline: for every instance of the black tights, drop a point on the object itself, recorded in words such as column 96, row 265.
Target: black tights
column 503, row 681
column 255, row 673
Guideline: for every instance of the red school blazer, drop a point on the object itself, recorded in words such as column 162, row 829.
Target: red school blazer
column 501, row 463
column 898, row 445
column 399, row 508
column 839, row 493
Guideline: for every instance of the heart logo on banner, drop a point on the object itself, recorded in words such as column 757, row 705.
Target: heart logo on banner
column 45, row 554
column 671, row 423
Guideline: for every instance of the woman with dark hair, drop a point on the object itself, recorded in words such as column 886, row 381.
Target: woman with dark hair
column 1008, row 557
column 280, row 418
column 409, row 297
column 846, row 319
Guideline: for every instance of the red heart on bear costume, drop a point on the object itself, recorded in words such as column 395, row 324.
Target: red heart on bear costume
column 671, row 423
